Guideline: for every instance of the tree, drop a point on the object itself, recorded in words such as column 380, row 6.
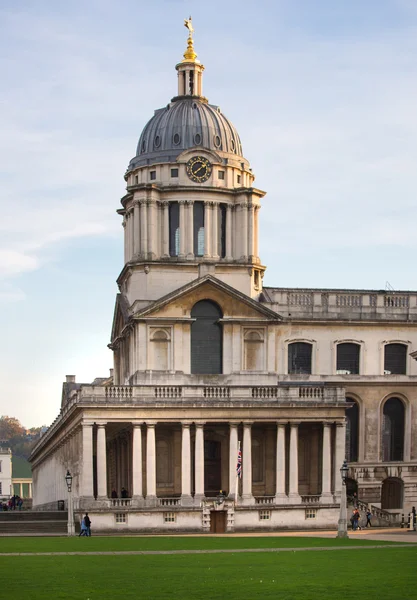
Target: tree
column 10, row 428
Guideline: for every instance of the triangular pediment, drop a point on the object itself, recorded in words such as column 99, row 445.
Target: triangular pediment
column 234, row 304
column 120, row 317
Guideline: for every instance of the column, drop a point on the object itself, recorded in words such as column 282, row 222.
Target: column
column 247, row 463
column 125, row 238
column 132, row 233
column 293, row 488
column 136, row 232
column 190, row 230
column 251, row 244
column 244, row 224
column 215, row 230
column 339, row 455
column 280, row 495
column 150, row 462
column 118, row 465
column 152, row 229
column 87, row 473
column 256, row 232
column 199, row 461
column 186, row 463
column 326, row 465
column 143, row 229
column 229, row 253
column 137, row 492
column 207, row 230
column 101, row 462
column 181, row 253
column 165, row 235
column 187, row 82
column 20, row 489
column 233, row 447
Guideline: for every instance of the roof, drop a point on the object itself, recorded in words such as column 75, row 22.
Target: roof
column 21, row 468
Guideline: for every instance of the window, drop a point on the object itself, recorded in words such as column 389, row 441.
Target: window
column 152, row 175
column 170, row 517
column 198, row 228
column 174, row 229
column 311, row 513
column 352, row 431
column 174, row 172
column 393, row 418
column 160, row 357
column 222, row 231
column 136, row 179
column 264, row 515
column 220, row 174
column 0, row 488
column 253, row 351
column 347, row 362
column 299, row 358
column 0, row 466
column 395, row 359
column 239, row 178
column 120, row 517
column 206, row 338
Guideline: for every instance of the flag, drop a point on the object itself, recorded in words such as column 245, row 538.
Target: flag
column 239, row 463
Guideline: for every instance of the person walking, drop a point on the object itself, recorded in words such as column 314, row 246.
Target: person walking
column 83, row 531
column 87, row 523
column 368, row 518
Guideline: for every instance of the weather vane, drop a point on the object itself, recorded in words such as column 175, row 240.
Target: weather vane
column 188, row 23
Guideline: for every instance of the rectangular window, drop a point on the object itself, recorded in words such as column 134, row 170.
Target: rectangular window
column 198, row 228
column 222, row 231
column 395, row 360
column 264, row 515
column 0, row 488
column 221, row 174
column 311, row 513
column 0, row 466
column 136, row 179
column 120, row 517
column 174, row 172
column 152, row 175
column 347, row 362
column 238, row 178
column 174, row 229
column 299, row 358
column 169, row 517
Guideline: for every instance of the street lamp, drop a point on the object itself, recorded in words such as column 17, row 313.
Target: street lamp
column 71, row 525
column 220, row 498
column 342, row 524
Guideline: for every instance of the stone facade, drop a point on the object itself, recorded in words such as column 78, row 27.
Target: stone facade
column 207, row 361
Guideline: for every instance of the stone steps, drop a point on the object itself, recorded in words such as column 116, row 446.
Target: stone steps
column 17, row 522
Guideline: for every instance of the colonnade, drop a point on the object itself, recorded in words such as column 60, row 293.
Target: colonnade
column 147, row 230
column 136, row 464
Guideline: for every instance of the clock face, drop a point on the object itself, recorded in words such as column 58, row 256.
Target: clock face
column 198, row 169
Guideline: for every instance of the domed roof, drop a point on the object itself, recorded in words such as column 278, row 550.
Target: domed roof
column 186, row 122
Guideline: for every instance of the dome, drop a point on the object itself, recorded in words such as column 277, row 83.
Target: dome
column 185, row 123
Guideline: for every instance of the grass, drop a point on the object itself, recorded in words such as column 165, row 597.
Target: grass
column 385, row 573
column 114, row 544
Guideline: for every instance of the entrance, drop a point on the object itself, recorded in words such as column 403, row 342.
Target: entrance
column 212, row 468
column 218, row 519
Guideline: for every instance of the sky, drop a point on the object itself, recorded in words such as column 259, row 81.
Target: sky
column 323, row 95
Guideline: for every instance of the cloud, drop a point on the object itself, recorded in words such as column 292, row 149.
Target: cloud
column 12, row 263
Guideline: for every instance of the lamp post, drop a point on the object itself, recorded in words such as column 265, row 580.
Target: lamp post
column 220, row 498
column 71, row 525
column 342, row 524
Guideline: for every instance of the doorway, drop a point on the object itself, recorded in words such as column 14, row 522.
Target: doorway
column 212, row 467
column 218, row 520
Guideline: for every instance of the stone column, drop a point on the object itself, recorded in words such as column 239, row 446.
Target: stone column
column 244, row 224
column 101, row 462
column 190, row 230
column 125, row 238
column 326, row 465
column 181, row 253
column 199, row 462
column 21, row 490
column 144, row 229
column 251, row 228
column 215, row 230
column 152, row 229
column 136, row 232
column 87, row 477
column 256, row 232
column 132, row 233
column 293, row 488
column 187, row 82
column 339, row 455
column 207, row 230
column 185, row 464
column 229, row 252
column 165, row 235
column 137, row 491
column 30, row 490
column 233, row 448
column 247, row 497
column 280, row 495
column 150, row 464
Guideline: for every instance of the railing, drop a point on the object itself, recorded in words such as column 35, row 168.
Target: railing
column 217, row 392
column 119, row 391
column 349, row 300
column 264, row 499
column 311, row 392
column 310, row 499
column 120, row 502
column 168, row 391
column 396, row 301
column 379, row 513
column 265, row 392
column 169, row 501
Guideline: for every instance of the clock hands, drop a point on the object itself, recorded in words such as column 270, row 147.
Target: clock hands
column 202, row 168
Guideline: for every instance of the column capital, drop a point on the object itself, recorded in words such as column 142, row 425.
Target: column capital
column 341, row 423
column 189, row 202
column 200, row 423
column 327, row 423
column 182, row 202
column 247, row 423
column 150, row 423
column 294, row 423
column 186, row 424
column 137, row 425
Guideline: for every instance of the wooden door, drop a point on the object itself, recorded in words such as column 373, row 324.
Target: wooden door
column 218, row 519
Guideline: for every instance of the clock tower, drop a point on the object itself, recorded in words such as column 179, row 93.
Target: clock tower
column 190, row 209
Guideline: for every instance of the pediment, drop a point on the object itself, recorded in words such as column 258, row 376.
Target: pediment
column 233, row 304
column 120, row 317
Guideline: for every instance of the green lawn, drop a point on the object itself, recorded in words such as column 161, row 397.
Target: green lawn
column 111, row 543
column 384, row 573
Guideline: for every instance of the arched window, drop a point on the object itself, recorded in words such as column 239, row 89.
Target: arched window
column 299, row 358
column 395, row 359
column 352, row 431
column 174, row 229
column 392, row 493
column 253, row 351
column 160, row 350
column 347, row 362
column 206, row 338
column 393, row 418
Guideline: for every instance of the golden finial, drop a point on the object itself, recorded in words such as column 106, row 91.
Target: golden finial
column 189, row 54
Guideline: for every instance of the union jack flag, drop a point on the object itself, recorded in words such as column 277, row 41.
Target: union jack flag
column 239, row 463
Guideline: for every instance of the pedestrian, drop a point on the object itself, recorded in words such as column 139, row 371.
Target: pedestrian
column 114, row 493
column 352, row 520
column 124, row 493
column 83, row 531
column 20, row 503
column 87, row 523
column 357, row 517
column 368, row 518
